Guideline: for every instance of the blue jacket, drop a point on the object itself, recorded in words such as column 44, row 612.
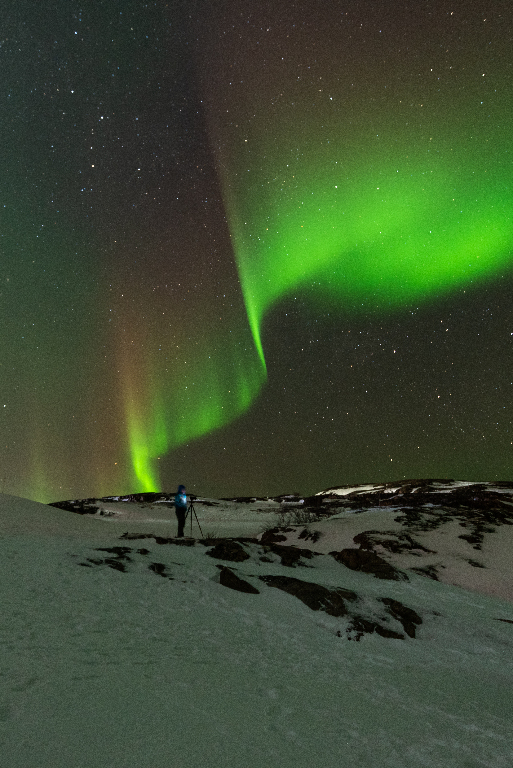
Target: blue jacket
column 181, row 500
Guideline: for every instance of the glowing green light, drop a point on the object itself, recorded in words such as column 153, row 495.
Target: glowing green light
column 145, row 444
column 348, row 221
column 217, row 383
column 391, row 232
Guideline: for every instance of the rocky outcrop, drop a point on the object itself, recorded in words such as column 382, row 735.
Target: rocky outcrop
column 315, row 596
column 307, row 534
column 334, row 601
column 427, row 570
column 393, row 541
column 368, row 562
column 274, row 535
column 360, row 627
column 181, row 542
column 80, row 507
column 229, row 549
column 407, row 616
column 230, row 579
column 120, row 556
column 290, row 556
column 160, row 569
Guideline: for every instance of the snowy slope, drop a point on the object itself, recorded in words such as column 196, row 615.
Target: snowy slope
column 138, row 656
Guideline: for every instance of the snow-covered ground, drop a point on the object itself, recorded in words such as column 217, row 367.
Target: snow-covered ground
column 130, row 653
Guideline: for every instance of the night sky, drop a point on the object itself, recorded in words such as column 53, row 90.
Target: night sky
column 254, row 247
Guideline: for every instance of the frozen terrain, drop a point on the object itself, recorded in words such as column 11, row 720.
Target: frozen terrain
column 250, row 644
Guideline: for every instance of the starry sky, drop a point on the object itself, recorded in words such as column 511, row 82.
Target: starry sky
column 254, row 247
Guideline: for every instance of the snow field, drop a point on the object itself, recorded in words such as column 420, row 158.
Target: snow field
column 131, row 670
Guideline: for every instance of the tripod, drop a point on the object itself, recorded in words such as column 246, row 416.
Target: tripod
column 191, row 511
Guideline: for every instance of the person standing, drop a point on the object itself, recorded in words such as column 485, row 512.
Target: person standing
column 181, row 509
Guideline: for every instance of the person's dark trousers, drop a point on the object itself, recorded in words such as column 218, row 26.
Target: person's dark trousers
column 180, row 514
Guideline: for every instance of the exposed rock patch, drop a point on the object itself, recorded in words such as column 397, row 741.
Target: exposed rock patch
column 229, row 579
column 315, row 596
column 360, row 627
column 80, row 507
column 181, row 542
column 160, row 570
column 274, row 535
column 427, row 570
column 368, row 562
column 407, row 616
column 313, row 535
column 120, row 557
column 395, row 542
column 228, row 549
column 335, row 601
column 290, row 556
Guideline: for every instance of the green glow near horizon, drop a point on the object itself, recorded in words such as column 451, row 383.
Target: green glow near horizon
column 145, row 444
column 214, row 386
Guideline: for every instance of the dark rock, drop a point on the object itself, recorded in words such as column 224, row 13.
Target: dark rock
column 159, row 569
column 476, row 564
column 181, row 542
column 368, row 562
column 421, row 520
column 315, row 596
column 290, row 556
column 314, row 501
column 475, row 538
column 143, row 551
column 364, row 540
column 86, row 509
column 117, row 562
column 427, row 570
column 392, row 541
column 407, row 616
column 120, row 552
column 211, row 541
column 274, row 535
column 229, row 579
column 313, row 535
column 118, row 565
column 228, row 549
column 360, row 627
column 80, row 507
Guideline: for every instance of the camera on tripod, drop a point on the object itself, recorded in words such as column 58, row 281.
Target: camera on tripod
column 191, row 511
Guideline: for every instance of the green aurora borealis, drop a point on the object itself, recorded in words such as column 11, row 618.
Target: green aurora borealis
column 388, row 235
column 174, row 182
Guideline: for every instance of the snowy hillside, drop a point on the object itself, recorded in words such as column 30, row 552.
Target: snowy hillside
column 122, row 646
